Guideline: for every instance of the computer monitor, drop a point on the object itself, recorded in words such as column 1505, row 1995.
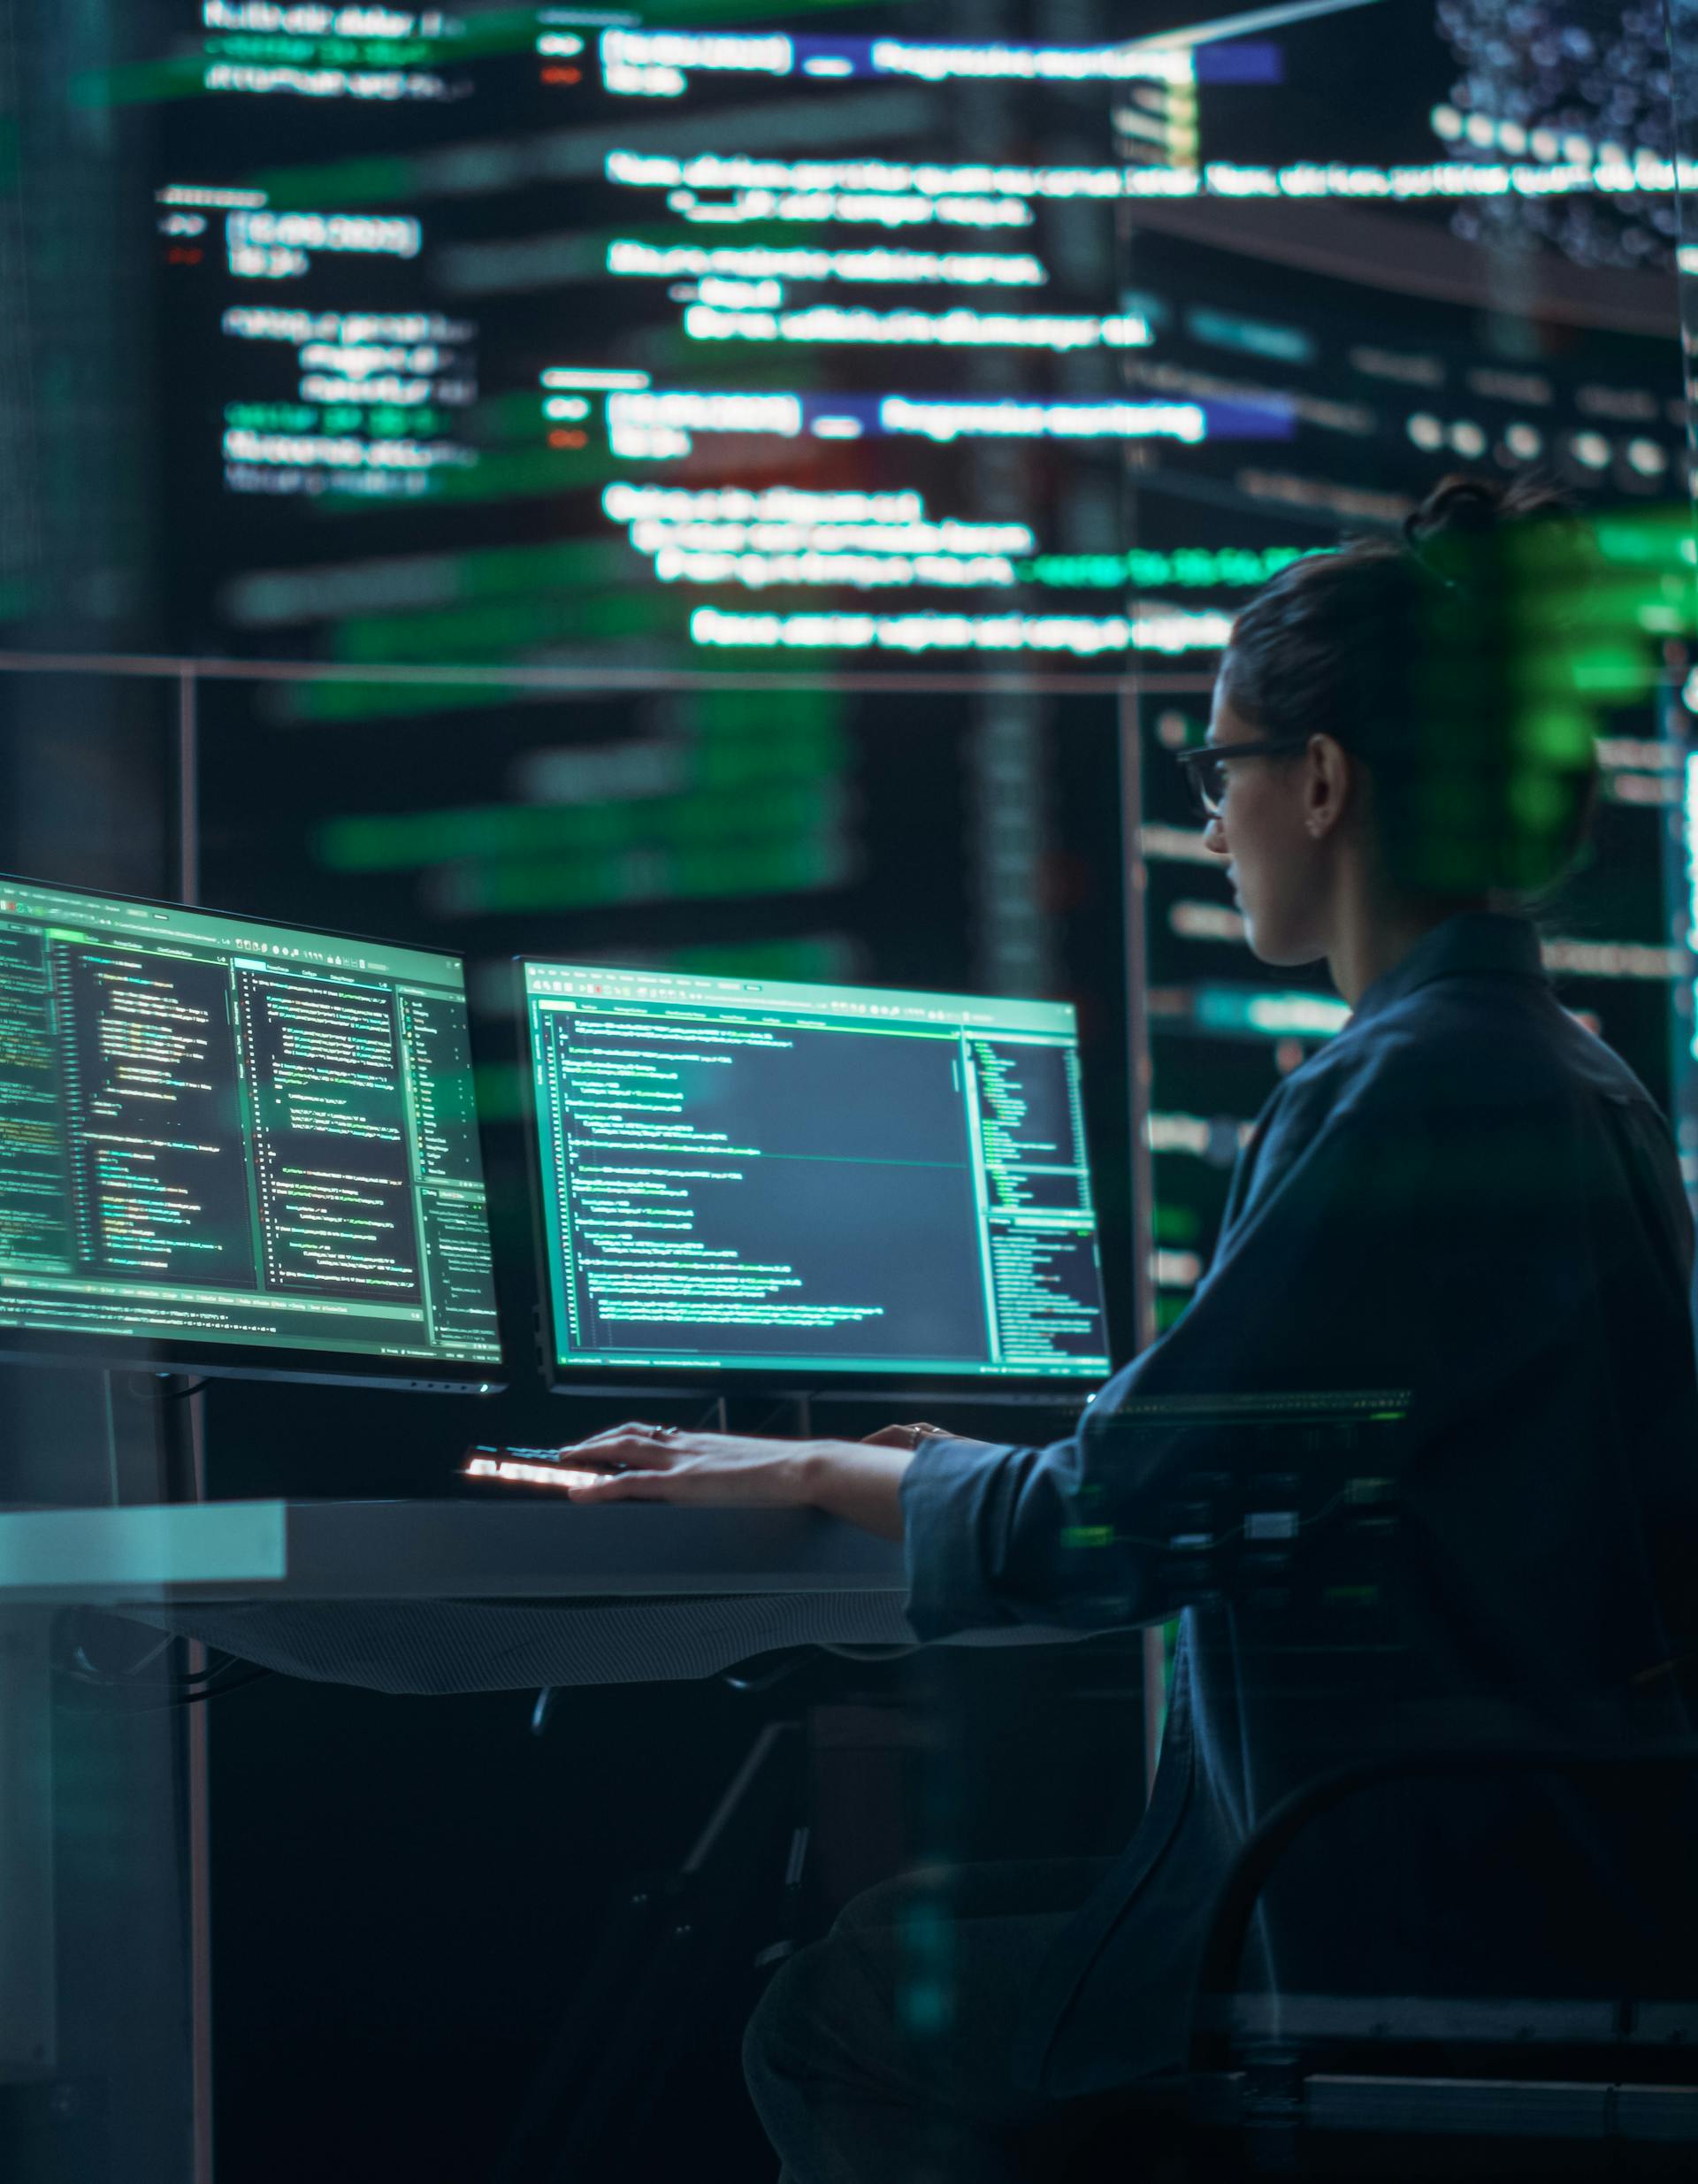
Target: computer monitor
column 237, row 1148
column 824, row 1183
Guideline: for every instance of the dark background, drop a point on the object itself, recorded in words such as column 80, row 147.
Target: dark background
column 408, row 1893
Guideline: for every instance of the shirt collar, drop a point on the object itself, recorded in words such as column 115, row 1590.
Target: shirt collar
column 1471, row 943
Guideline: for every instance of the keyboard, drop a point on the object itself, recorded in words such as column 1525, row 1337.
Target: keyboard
column 524, row 1467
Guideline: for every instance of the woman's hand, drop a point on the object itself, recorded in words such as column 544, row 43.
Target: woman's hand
column 663, row 1463
column 855, row 1480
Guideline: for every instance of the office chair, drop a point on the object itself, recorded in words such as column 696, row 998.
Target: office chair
column 1347, row 2087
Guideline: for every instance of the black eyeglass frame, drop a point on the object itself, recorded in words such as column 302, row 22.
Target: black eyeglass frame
column 1196, row 764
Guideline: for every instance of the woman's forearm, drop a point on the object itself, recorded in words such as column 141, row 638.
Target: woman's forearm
column 857, row 1482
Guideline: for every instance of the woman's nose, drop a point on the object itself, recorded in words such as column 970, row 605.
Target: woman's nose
column 1214, row 837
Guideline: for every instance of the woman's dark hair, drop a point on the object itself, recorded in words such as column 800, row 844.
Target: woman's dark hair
column 1443, row 663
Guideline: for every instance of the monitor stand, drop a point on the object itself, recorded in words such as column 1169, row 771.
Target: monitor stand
column 770, row 1417
column 179, row 1409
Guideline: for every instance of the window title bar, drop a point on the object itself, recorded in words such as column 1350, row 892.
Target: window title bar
column 276, row 945
column 873, row 1005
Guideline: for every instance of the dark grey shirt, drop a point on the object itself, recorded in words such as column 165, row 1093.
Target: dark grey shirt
column 1466, row 1196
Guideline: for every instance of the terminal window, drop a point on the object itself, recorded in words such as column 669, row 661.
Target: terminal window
column 836, row 1179
column 213, row 1130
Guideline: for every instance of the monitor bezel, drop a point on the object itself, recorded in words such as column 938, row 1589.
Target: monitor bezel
column 689, row 1382
column 250, row 1360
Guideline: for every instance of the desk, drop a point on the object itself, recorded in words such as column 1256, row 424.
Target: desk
column 399, row 1596
column 469, row 1596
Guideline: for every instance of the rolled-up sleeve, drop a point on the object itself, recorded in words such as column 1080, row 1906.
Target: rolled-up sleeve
column 1010, row 1535
column 983, row 1527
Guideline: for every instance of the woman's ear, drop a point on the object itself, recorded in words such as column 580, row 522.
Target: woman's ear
column 1329, row 781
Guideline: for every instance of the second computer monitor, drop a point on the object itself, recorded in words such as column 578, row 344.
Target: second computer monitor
column 232, row 1146
column 810, row 1182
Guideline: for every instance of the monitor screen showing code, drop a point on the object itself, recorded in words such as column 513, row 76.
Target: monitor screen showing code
column 745, row 1173
column 214, row 1132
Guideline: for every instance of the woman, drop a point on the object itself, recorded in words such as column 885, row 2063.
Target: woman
column 1465, row 1199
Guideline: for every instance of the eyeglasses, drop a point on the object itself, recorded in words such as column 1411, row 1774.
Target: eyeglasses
column 1205, row 767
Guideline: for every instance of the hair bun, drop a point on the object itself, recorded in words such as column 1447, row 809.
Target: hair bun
column 1458, row 504
column 1470, row 508
column 1450, row 533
